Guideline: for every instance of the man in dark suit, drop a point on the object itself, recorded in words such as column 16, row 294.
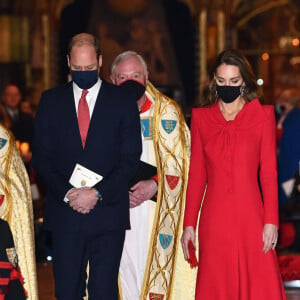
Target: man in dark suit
column 21, row 122
column 87, row 223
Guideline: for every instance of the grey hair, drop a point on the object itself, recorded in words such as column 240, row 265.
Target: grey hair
column 125, row 55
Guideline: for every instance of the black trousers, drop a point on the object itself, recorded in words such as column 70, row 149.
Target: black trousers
column 71, row 253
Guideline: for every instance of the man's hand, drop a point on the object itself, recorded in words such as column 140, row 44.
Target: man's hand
column 83, row 200
column 142, row 191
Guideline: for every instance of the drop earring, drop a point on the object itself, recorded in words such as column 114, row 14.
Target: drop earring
column 242, row 91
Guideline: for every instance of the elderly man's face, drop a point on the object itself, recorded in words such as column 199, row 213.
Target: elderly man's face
column 130, row 69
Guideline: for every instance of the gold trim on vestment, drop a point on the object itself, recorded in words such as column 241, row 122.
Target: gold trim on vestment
column 18, row 212
column 5, row 183
column 172, row 157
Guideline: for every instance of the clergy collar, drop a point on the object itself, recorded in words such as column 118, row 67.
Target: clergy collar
column 146, row 106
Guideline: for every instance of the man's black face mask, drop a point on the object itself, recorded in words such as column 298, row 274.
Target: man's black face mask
column 133, row 87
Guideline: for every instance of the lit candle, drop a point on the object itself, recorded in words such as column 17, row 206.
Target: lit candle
column 24, row 148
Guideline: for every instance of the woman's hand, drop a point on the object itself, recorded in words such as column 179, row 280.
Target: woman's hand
column 270, row 236
column 188, row 234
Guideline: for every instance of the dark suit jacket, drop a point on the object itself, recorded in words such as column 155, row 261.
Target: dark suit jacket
column 289, row 151
column 112, row 149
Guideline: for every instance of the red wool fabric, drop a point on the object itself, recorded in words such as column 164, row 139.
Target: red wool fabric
column 227, row 155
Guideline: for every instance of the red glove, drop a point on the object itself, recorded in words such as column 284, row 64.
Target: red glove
column 192, row 253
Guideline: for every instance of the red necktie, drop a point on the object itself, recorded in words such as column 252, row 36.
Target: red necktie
column 83, row 117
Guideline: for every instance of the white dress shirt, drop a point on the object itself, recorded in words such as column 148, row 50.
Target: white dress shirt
column 91, row 96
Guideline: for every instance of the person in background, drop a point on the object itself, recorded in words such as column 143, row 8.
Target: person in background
column 288, row 133
column 4, row 118
column 21, row 122
column 26, row 107
column 288, row 127
column 233, row 186
column 156, row 193
column 16, row 208
column 86, row 148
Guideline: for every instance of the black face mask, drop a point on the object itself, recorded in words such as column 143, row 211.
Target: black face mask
column 134, row 87
column 85, row 79
column 228, row 93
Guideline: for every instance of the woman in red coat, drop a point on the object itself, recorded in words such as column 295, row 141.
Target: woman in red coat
column 233, row 160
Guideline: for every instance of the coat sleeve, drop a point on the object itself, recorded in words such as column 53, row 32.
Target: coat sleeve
column 197, row 175
column 268, row 168
column 43, row 147
column 130, row 152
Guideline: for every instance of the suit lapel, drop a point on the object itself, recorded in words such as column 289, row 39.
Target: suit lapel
column 98, row 113
column 70, row 115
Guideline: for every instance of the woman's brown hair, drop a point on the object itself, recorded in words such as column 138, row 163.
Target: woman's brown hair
column 234, row 58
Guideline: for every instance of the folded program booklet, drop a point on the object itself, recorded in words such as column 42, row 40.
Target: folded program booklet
column 83, row 177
